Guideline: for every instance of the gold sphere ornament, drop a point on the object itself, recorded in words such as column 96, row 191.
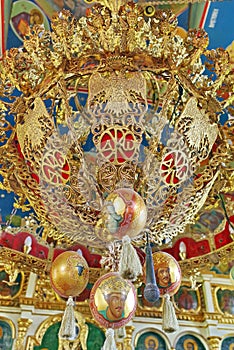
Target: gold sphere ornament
column 113, row 300
column 69, row 274
column 124, row 213
column 167, row 273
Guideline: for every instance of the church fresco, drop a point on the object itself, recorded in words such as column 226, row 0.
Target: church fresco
column 189, row 342
column 8, row 287
column 187, row 299
column 6, row 335
column 228, row 343
column 151, row 341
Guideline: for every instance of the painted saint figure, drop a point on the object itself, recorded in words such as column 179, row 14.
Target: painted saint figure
column 185, row 300
column 167, row 273
column 190, row 344
column 163, row 277
column 115, row 309
column 151, row 343
column 24, row 20
column 113, row 300
column 115, row 293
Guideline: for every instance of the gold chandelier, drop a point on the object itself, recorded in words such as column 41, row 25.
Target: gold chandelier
column 109, row 101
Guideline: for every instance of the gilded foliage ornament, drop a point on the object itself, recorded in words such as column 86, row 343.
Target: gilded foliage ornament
column 115, row 100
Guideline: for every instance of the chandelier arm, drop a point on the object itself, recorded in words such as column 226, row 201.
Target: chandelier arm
column 117, row 53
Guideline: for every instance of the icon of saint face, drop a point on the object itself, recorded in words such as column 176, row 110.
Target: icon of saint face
column 115, row 308
column 151, row 345
column 190, row 346
column 116, row 303
column 163, row 276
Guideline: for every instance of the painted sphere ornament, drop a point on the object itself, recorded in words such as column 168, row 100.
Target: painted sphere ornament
column 69, row 274
column 113, row 300
column 124, row 213
column 167, row 273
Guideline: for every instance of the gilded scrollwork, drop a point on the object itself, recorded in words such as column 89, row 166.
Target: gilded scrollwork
column 23, row 325
column 214, row 342
column 80, row 343
column 37, row 339
column 152, row 116
column 24, row 262
column 128, row 338
column 153, row 119
column 206, row 261
column 223, row 297
column 13, row 283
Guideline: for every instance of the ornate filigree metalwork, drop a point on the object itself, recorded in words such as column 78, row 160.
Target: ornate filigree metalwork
column 205, row 262
column 115, row 99
column 23, row 325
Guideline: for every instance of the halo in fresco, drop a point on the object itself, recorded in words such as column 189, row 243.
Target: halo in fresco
column 24, row 15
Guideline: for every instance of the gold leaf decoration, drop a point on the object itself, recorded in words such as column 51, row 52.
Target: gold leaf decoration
column 197, row 129
column 33, row 129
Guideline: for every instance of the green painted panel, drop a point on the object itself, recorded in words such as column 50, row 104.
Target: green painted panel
column 96, row 338
column 50, row 339
column 151, row 340
column 6, row 340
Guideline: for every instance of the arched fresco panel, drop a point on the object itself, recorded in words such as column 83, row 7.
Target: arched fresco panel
column 228, row 343
column 151, row 340
column 189, row 342
column 6, row 335
column 50, row 340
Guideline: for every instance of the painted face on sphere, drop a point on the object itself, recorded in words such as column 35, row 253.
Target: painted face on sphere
column 164, row 277
column 116, row 303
